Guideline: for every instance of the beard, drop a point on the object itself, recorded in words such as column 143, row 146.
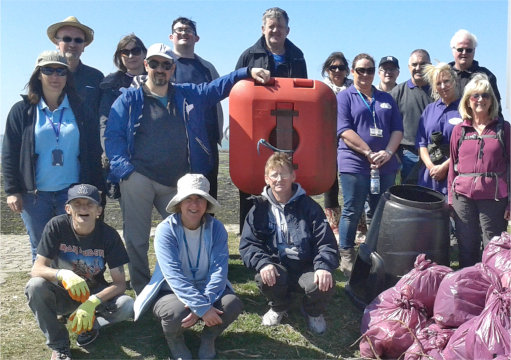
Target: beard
column 159, row 79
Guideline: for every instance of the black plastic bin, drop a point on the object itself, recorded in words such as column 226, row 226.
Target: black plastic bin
column 409, row 220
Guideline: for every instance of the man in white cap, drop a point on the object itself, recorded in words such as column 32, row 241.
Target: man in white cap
column 156, row 133
column 71, row 37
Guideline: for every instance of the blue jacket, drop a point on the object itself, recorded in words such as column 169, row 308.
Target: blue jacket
column 311, row 236
column 168, row 241
column 190, row 101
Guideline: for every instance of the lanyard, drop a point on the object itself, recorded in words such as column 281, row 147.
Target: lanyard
column 196, row 268
column 56, row 130
column 370, row 107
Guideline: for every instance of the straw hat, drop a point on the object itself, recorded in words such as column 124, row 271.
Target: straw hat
column 193, row 184
column 70, row 21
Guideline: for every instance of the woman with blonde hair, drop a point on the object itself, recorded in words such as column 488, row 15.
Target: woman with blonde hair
column 478, row 180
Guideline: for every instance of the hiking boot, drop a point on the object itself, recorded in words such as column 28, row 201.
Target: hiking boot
column 272, row 317
column 61, row 354
column 87, row 337
column 178, row 348
column 348, row 257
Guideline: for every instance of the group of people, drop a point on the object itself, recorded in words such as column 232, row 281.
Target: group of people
column 148, row 134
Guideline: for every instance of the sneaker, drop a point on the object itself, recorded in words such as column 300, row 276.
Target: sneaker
column 272, row 317
column 87, row 337
column 61, row 354
column 316, row 324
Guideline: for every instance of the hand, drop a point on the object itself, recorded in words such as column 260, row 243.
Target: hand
column 269, row 275
column 324, row 280
column 438, row 172
column 260, row 75
column 105, row 162
column 189, row 320
column 377, row 159
column 83, row 317
column 212, row 317
column 74, row 284
column 15, row 203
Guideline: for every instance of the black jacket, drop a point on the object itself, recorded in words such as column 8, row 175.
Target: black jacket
column 257, row 56
column 19, row 158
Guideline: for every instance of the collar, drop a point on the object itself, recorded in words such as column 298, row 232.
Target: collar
column 63, row 105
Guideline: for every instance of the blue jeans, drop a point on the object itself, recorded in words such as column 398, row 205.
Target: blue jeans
column 355, row 190
column 408, row 161
column 38, row 209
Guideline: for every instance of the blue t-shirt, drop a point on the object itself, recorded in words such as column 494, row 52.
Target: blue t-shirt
column 354, row 114
column 51, row 148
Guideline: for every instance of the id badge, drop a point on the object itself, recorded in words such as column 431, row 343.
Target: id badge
column 57, row 157
column 376, row 132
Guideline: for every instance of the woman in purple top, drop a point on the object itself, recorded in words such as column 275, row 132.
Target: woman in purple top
column 370, row 128
column 478, row 179
column 435, row 127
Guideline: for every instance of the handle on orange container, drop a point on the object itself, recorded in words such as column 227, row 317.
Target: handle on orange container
column 271, row 147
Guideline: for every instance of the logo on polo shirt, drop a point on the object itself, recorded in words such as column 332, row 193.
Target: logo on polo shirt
column 455, row 121
column 385, row 106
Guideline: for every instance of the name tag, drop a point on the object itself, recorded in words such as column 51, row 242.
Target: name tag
column 376, row 132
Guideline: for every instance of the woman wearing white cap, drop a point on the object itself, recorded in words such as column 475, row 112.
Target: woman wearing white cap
column 50, row 142
column 190, row 280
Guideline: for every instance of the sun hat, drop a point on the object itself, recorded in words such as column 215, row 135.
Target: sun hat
column 159, row 49
column 70, row 21
column 193, row 184
column 83, row 191
column 50, row 58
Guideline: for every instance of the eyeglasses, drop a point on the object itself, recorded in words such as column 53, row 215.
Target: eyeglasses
column 276, row 176
column 466, row 50
column 365, row 71
column 68, row 39
column 389, row 70
column 153, row 64
column 475, row 97
column 137, row 50
column 337, row 68
column 184, row 30
column 61, row 71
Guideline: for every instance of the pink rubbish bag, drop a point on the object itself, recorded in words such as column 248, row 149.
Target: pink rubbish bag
column 430, row 343
column 391, row 324
column 456, row 347
column 497, row 254
column 424, row 278
column 461, row 296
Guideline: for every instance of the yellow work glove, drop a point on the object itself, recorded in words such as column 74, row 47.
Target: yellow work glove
column 83, row 317
column 74, row 284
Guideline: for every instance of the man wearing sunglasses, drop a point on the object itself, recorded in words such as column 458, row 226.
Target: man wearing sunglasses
column 155, row 134
column 463, row 45
column 412, row 97
column 191, row 68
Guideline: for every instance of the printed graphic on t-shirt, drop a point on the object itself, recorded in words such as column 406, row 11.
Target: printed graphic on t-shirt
column 86, row 263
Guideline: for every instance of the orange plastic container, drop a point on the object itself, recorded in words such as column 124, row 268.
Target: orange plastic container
column 297, row 115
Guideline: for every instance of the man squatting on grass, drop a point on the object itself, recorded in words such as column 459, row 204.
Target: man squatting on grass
column 71, row 259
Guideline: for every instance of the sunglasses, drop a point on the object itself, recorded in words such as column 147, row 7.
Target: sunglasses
column 475, row 97
column 153, row 64
column 337, row 67
column 68, row 39
column 365, row 71
column 137, row 50
column 46, row 70
column 461, row 50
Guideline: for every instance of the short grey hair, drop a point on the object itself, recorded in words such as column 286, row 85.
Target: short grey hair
column 463, row 34
column 421, row 52
column 275, row 13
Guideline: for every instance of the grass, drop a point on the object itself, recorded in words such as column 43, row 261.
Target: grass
column 20, row 337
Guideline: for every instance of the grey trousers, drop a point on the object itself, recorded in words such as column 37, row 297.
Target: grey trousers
column 279, row 295
column 171, row 311
column 474, row 218
column 138, row 196
column 47, row 300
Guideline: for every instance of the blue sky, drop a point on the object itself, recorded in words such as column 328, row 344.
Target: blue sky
column 226, row 28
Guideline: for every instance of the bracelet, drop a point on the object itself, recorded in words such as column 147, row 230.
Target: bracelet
column 389, row 152
column 367, row 153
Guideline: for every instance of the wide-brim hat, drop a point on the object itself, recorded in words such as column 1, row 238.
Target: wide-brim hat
column 193, row 184
column 70, row 21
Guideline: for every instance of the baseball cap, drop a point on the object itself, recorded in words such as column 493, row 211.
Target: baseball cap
column 389, row 59
column 83, row 191
column 49, row 58
column 159, row 49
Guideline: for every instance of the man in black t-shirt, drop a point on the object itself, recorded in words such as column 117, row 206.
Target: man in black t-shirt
column 68, row 274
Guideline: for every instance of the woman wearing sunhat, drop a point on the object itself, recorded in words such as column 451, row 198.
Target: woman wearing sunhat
column 190, row 279
column 50, row 142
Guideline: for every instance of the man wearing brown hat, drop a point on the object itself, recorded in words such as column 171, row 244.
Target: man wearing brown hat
column 71, row 38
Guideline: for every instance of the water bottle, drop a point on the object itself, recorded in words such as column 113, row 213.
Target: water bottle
column 375, row 181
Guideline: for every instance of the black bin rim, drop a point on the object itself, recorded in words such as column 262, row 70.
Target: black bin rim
column 416, row 196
